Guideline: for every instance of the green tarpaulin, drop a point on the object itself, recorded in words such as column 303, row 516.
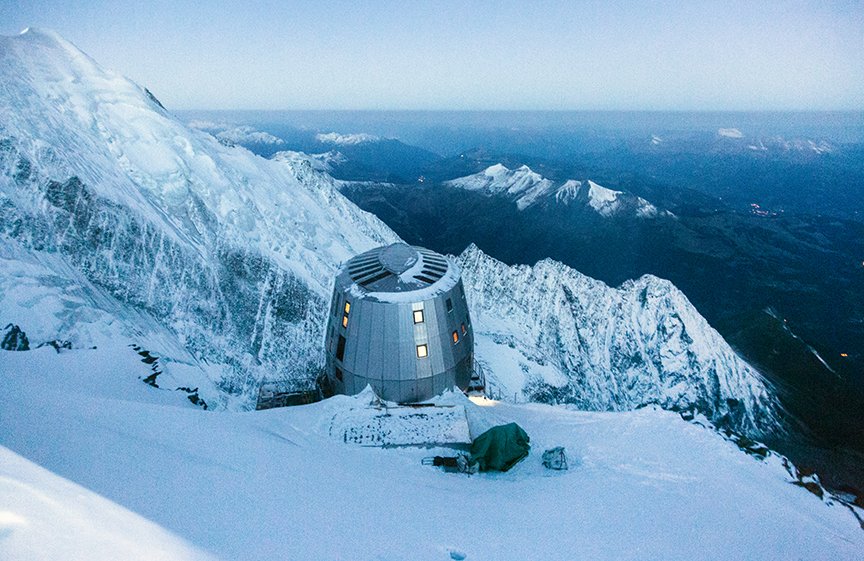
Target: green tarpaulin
column 500, row 448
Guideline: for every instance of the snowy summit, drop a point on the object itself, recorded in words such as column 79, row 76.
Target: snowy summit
column 730, row 133
column 345, row 139
column 528, row 188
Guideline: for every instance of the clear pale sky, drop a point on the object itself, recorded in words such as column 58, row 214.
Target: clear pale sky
column 736, row 55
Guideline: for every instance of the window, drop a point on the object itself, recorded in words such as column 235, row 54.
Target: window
column 340, row 348
column 455, row 337
column 418, row 316
column 464, row 329
column 449, row 305
column 346, row 309
column 422, row 351
column 339, row 374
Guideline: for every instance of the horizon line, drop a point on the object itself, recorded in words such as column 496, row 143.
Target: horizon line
column 535, row 110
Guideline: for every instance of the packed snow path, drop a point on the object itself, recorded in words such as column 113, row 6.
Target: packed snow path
column 160, row 478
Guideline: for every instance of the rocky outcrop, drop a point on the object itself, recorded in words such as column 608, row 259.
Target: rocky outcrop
column 14, row 339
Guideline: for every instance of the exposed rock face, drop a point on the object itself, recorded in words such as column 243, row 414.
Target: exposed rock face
column 14, row 339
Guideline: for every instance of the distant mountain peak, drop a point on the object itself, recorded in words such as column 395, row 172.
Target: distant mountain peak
column 233, row 134
column 496, row 169
column 730, row 133
column 346, row 139
column 322, row 162
column 528, row 188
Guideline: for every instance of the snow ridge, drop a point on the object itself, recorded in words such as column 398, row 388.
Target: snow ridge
column 233, row 134
column 581, row 342
column 779, row 143
column 323, row 162
column 345, row 139
column 528, row 188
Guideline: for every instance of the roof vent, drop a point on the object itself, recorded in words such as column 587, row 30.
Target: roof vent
column 384, row 268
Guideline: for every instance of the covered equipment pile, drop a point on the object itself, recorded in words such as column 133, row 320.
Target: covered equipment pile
column 500, row 448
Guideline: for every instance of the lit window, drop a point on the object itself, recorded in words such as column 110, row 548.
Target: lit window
column 418, row 316
column 455, row 337
column 422, row 351
column 464, row 329
column 449, row 305
column 345, row 320
column 347, row 307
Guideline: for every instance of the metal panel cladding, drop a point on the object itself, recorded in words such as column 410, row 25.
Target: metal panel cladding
column 399, row 322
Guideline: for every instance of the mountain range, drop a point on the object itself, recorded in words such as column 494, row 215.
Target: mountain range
column 527, row 188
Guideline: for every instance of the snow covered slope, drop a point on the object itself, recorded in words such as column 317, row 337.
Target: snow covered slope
column 108, row 472
column 49, row 517
column 229, row 252
column 577, row 340
column 527, row 188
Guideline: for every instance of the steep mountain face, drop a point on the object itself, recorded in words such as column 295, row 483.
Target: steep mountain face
column 527, row 188
column 230, row 252
column 122, row 227
column 581, row 342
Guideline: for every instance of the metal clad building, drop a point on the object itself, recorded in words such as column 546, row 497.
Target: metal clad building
column 399, row 322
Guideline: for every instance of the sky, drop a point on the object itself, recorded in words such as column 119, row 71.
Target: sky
column 506, row 55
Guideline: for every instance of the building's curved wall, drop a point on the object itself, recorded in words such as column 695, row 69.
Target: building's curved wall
column 381, row 341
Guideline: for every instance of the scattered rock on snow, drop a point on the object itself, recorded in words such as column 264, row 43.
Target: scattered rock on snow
column 57, row 344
